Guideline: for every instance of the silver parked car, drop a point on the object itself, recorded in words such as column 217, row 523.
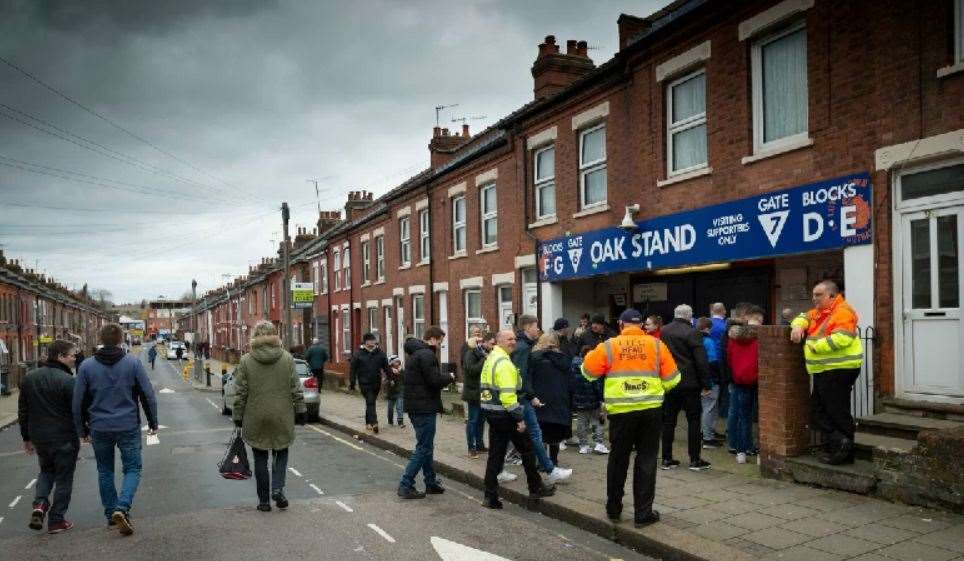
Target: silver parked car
column 309, row 385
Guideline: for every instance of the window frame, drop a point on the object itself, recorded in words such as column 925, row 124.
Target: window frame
column 346, row 330
column 346, row 266
column 470, row 321
column 373, row 325
column 585, row 168
column 685, row 124
column 405, row 241
column 486, row 217
column 418, row 323
column 459, row 226
column 336, row 267
column 756, row 84
column 366, row 261
column 323, row 274
column 539, row 184
column 380, row 257
column 424, row 231
column 314, row 279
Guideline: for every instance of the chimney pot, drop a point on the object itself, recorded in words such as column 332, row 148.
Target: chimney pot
column 571, row 47
column 436, row 132
column 582, row 49
column 465, row 130
column 445, row 132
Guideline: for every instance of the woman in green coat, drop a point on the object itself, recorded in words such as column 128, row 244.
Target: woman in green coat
column 269, row 402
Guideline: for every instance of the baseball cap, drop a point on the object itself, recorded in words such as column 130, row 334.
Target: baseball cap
column 560, row 323
column 630, row 315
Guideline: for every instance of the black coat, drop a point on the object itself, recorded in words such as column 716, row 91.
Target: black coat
column 592, row 339
column 549, row 372
column 520, row 358
column 367, row 367
column 586, row 395
column 472, row 362
column 686, row 344
column 45, row 405
column 423, row 379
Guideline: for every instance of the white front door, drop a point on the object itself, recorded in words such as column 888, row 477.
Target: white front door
column 389, row 329
column 400, row 322
column 933, row 340
column 443, row 322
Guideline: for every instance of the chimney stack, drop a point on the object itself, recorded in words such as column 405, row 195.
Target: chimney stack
column 630, row 27
column 360, row 200
column 328, row 219
column 443, row 145
column 553, row 71
column 465, row 130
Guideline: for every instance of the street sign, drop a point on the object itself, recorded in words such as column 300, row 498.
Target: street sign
column 302, row 295
column 826, row 215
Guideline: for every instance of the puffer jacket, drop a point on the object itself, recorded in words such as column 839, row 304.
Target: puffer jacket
column 586, row 395
column 472, row 363
column 423, row 379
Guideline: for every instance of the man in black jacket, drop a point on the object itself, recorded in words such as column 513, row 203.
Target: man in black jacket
column 597, row 333
column 47, row 427
column 424, row 381
column 686, row 345
column 367, row 368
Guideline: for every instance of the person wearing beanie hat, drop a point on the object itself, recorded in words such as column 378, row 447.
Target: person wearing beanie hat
column 567, row 344
column 598, row 332
column 393, row 391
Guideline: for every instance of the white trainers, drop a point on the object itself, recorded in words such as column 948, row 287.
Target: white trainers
column 741, row 458
column 562, row 446
column 559, row 474
column 505, row 477
column 600, row 449
column 584, row 449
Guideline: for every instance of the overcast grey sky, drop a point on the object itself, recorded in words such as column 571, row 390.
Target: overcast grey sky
column 228, row 107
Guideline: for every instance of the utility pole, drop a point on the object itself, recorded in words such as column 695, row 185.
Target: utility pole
column 286, row 289
column 198, row 358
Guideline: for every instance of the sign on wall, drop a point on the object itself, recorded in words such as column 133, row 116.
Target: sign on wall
column 820, row 216
column 650, row 292
column 302, row 295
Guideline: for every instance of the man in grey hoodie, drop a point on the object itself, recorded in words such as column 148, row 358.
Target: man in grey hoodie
column 106, row 414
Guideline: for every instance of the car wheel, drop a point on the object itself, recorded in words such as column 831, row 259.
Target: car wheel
column 313, row 415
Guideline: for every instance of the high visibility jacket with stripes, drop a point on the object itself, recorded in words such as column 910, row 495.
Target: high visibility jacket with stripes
column 499, row 385
column 832, row 339
column 638, row 368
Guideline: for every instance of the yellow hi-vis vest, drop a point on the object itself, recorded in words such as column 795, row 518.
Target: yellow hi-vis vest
column 639, row 370
column 832, row 339
column 500, row 384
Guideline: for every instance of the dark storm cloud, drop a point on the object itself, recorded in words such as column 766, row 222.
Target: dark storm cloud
column 253, row 98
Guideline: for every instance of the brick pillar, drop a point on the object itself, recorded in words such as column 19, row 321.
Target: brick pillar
column 784, row 394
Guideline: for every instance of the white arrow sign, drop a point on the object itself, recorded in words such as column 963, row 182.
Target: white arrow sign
column 166, row 390
column 773, row 224
column 159, row 427
column 451, row 551
column 574, row 255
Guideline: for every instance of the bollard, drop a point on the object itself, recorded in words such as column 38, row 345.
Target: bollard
column 207, row 374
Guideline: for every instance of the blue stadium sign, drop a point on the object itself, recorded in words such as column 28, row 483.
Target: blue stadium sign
column 820, row 216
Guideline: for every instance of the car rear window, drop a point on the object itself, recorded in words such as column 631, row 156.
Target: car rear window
column 302, row 369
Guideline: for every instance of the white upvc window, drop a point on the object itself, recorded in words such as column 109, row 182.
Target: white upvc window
column 506, row 315
column 686, row 123
column 458, row 225
column 418, row 315
column 490, row 215
column 373, row 321
column 405, row 239
column 314, row 279
column 544, row 179
column 346, row 331
column 423, row 236
column 366, row 252
column 323, row 274
column 592, row 166
column 336, row 267
column 473, row 310
column 346, row 266
column 780, row 96
column 380, row 257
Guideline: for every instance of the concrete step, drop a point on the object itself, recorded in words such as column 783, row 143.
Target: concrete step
column 855, row 478
column 927, row 409
column 868, row 445
column 901, row 425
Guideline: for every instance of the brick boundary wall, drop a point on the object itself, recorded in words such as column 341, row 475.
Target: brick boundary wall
column 784, row 400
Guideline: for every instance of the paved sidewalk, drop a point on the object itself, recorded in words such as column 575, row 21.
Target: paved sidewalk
column 8, row 408
column 728, row 512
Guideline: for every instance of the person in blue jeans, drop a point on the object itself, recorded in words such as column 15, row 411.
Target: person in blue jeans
column 422, row 393
column 107, row 396
column 393, row 391
column 473, row 358
column 526, row 338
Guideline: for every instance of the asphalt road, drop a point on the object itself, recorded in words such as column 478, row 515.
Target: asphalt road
column 343, row 504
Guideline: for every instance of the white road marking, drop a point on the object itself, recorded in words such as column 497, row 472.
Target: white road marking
column 451, row 551
column 29, row 485
column 1, row 520
column 294, row 471
column 315, row 487
column 342, row 440
column 159, row 427
column 344, row 507
column 165, row 390
column 14, row 502
column 382, row 533
column 214, row 405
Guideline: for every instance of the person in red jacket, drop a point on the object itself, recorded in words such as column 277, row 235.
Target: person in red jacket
column 742, row 356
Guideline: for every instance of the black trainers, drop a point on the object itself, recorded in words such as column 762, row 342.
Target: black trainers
column 646, row 520
column 410, row 493
column 37, row 518
column 545, row 491
column 669, row 464
column 280, row 500
column 123, row 522
column 492, row 502
column 711, row 444
column 264, row 507
column 614, row 515
column 435, row 489
column 700, row 465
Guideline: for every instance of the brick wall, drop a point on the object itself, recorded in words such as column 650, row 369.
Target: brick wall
column 784, row 399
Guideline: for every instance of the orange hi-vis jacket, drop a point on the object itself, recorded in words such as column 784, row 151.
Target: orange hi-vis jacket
column 832, row 340
column 638, row 368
